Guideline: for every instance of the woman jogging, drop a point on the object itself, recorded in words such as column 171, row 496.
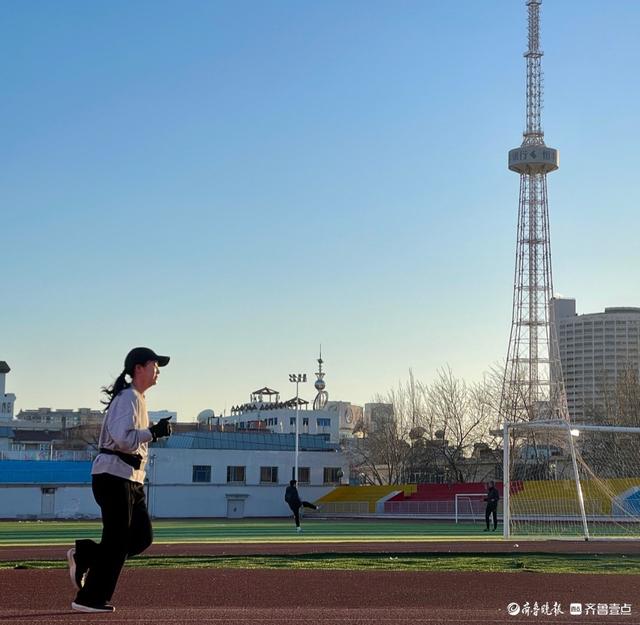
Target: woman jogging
column 117, row 482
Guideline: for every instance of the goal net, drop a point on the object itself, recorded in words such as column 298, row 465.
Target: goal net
column 469, row 507
column 565, row 480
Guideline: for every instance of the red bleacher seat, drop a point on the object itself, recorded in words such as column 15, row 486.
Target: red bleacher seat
column 446, row 492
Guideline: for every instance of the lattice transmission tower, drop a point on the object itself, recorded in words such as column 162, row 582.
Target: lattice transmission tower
column 533, row 387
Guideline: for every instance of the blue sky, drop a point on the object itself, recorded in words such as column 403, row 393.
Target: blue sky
column 235, row 182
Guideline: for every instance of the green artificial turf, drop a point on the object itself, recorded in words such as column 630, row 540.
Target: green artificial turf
column 19, row 533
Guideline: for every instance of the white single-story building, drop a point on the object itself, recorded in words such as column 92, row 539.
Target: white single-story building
column 197, row 474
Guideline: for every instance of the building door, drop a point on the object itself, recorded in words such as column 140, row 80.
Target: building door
column 235, row 507
column 48, row 502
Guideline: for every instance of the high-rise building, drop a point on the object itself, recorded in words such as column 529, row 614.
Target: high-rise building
column 596, row 349
column 530, row 391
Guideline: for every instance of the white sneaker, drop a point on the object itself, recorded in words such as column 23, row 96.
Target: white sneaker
column 298, row 529
column 94, row 607
column 77, row 573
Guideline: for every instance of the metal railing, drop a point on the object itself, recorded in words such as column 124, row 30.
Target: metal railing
column 429, row 508
column 341, row 508
column 37, row 454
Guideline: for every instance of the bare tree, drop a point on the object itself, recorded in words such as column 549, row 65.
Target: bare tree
column 380, row 455
column 618, row 399
column 628, row 398
column 437, row 432
column 463, row 415
column 616, row 454
column 84, row 437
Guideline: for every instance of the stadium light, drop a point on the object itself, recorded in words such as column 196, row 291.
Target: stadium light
column 297, row 378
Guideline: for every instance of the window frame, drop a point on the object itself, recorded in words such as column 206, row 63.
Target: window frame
column 273, row 475
column 300, row 478
column 326, row 474
column 205, row 469
column 234, row 468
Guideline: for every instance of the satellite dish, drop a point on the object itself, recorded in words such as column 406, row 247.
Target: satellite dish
column 205, row 416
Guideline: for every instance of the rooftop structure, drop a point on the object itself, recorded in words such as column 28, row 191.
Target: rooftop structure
column 57, row 419
column 7, row 400
column 266, row 441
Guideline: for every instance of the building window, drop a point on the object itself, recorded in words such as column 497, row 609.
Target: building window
column 332, row 475
column 201, row 473
column 304, row 474
column 323, row 423
column 305, row 421
column 292, row 421
column 236, row 475
column 268, row 475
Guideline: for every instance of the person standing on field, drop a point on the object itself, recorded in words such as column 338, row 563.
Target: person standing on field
column 492, row 499
column 117, row 476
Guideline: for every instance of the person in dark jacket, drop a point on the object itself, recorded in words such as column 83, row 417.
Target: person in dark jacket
column 292, row 497
column 492, row 499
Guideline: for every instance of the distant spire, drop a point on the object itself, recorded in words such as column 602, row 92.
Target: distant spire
column 322, row 397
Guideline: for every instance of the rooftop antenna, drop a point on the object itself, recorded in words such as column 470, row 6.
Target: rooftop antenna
column 322, row 397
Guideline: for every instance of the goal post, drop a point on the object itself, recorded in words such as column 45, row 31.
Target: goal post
column 465, row 508
column 567, row 480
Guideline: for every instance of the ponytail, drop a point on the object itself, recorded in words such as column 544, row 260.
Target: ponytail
column 113, row 391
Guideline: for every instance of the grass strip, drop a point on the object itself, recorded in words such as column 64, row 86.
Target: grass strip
column 496, row 563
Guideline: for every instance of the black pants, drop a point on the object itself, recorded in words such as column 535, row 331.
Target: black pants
column 296, row 510
column 126, row 532
column 491, row 509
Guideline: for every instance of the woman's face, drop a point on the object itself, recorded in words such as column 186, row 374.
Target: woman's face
column 146, row 376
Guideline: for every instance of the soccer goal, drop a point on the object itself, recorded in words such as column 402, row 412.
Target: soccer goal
column 469, row 506
column 564, row 480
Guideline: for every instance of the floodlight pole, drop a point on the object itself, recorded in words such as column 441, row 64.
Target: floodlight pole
column 297, row 378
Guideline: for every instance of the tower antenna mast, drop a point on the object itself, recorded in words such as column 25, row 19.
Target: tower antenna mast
column 532, row 386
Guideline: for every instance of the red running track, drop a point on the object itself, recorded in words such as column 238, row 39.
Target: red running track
column 288, row 597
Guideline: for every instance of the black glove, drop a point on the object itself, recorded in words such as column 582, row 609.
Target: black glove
column 161, row 429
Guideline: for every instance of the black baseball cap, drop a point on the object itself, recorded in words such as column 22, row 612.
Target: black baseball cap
column 141, row 356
